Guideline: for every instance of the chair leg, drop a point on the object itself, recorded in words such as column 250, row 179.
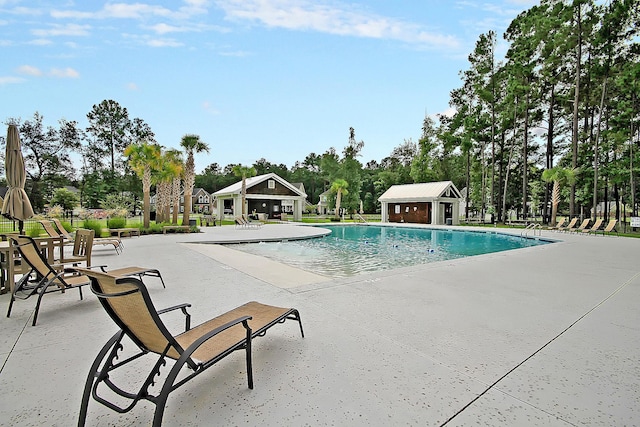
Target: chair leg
column 249, row 363
column 296, row 315
column 13, row 298
column 82, row 418
column 35, row 313
column 40, row 295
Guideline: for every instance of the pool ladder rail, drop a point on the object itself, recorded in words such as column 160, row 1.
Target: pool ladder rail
column 533, row 227
column 361, row 218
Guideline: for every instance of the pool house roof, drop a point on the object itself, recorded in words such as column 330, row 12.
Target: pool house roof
column 423, row 191
column 236, row 188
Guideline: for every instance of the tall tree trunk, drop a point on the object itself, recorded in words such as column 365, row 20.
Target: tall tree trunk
column 187, row 207
column 595, row 152
column 634, row 211
column 501, row 176
column 549, row 154
column 576, row 102
column 466, row 208
column 525, row 157
column 513, row 144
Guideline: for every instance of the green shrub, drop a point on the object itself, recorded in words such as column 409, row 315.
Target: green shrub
column 67, row 226
column 35, row 230
column 153, row 229
column 92, row 224
column 117, row 222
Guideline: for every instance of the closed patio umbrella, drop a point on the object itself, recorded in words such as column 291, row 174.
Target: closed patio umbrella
column 16, row 204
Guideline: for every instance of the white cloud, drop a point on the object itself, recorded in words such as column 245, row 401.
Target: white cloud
column 449, row 112
column 40, row 42
column 63, row 30
column 29, row 70
column 332, row 19
column 133, row 87
column 7, row 80
column 236, row 53
column 118, row 11
column 133, row 11
column 165, row 28
column 65, row 73
column 163, row 43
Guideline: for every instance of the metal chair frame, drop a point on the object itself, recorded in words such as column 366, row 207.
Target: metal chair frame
column 109, row 357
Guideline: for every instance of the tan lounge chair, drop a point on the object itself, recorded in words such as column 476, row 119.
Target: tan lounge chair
column 128, row 303
column 584, row 224
column 47, row 278
column 559, row 225
column 108, row 241
column 611, row 227
column 569, row 226
column 595, row 227
column 244, row 223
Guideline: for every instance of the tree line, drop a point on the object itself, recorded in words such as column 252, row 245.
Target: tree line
column 551, row 126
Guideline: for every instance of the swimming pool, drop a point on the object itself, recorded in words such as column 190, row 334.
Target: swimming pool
column 351, row 250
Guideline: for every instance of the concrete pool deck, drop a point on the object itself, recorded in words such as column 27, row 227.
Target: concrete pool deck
column 546, row 335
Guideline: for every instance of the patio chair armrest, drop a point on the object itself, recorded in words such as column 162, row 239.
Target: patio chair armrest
column 212, row 333
column 101, row 267
column 182, row 307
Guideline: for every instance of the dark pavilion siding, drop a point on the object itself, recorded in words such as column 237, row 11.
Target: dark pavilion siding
column 415, row 213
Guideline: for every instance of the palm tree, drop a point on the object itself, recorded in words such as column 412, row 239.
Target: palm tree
column 339, row 186
column 191, row 144
column 164, row 177
column 559, row 176
column 175, row 157
column 244, row 172
column 144, row 158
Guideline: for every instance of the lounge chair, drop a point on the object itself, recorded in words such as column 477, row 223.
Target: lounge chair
column 55, row 277
column 595, row 227
column 569, row 226
column 107, row 241
column 244, row 223
column 47, row 278
column 559, row 225
column 611, row 227
column 584, row 224
column 52, row 232
column 128, row 303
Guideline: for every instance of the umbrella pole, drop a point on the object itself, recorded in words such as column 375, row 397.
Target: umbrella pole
column 20, row 227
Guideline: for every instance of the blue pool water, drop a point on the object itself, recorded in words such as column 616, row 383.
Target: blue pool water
column 351, row 250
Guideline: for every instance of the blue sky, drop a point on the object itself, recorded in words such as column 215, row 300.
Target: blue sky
column 273, row 79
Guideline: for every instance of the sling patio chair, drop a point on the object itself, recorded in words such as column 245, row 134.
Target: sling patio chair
column 584, row 224
column 52, row 232
column 559, row 225
column 42, row 278
column 104, row 241
column 244, row 223
column 610, row 228
column 129, row 305
column 569, row 226
column 595, row 227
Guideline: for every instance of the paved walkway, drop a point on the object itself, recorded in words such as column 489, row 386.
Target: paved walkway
column 546, row 335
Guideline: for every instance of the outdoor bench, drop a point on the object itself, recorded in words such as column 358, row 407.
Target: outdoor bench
column 124, row 231
column 175, row 228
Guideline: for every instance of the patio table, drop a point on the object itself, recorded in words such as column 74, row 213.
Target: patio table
column 8, row 254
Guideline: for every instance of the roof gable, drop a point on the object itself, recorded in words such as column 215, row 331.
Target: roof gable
column 421, row 191
column 255, row 180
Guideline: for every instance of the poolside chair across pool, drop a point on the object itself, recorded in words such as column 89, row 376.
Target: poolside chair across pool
column 129, row 305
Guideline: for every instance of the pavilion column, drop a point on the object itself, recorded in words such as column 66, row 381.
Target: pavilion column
column 435, row 212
